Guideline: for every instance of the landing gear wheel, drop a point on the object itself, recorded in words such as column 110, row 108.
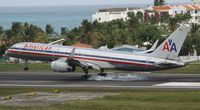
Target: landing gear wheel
column 26, row 68
column 85, row 77
column 26, row 65
column 102, row 74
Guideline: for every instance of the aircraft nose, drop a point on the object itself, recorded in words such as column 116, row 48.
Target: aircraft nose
column 6, row 54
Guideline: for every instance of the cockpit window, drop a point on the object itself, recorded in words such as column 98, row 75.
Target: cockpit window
column 13, row 46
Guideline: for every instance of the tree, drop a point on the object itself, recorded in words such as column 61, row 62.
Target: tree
column 182, row 17
column 164, row 17
column 1, row 31
column 86, row 30
column 195, row 28
column 173, row 24
column 159, row 2
column 49, row 29
column 133, row 21
column 17, row 28
column 64, row 31
column 155, row 18
column 140, row 15
column 192, row 41
column 40, row 38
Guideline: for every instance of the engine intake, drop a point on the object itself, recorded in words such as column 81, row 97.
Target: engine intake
column 61, row 66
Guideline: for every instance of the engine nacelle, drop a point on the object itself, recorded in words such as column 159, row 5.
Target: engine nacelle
column 61, row 66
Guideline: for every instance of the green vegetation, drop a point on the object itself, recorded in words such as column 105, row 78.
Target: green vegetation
column 126, row 100
column 14, row 67
column 159, row 2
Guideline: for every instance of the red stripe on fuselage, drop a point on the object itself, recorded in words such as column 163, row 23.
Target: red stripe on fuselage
column 45, row 54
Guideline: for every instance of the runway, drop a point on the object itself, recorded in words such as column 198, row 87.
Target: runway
column 113, row 81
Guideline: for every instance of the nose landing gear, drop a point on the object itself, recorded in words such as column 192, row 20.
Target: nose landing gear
column 26, row 68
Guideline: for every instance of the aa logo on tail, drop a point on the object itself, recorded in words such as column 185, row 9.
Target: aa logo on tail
column 170, row 46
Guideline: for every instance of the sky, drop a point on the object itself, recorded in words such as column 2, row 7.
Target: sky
column 4, row 3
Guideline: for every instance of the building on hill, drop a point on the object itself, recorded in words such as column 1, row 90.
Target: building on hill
column 160, row 9
column 193, row 10
column 105, row 15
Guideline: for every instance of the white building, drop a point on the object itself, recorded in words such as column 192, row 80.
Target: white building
column 105, row 15
column 178, row 9
column 193, row 10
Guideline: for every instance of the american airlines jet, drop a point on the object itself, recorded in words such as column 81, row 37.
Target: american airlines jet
column 67, row 58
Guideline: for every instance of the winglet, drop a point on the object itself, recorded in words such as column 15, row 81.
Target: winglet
column 59, row 42
column 72, row 52
column 154, row 45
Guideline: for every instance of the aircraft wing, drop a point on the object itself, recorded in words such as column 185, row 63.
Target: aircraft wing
column 58, row 42
column 83, row 64
column 80, row 63
column 90, row 65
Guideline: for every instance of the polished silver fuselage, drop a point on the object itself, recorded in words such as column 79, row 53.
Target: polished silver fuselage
column 103, row 58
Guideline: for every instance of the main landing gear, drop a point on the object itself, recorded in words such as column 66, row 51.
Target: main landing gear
column 102, row 73
column 86, row 76
column 26, row 65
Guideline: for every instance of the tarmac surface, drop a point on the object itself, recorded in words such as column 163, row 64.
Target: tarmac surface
column 112, row 81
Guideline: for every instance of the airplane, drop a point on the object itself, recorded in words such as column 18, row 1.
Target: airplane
column 67, row 58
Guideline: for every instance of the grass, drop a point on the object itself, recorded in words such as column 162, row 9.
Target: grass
column 126, row 100
column 193, row 68
column 12, row 67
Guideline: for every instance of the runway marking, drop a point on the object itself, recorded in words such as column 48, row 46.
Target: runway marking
column 179, row 84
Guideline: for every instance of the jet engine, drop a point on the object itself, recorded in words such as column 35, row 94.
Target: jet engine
column 61, row 66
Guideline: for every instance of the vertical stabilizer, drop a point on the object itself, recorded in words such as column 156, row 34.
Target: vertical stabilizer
column 171, row 47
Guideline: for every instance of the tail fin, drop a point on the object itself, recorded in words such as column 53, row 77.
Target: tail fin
column 171, row 47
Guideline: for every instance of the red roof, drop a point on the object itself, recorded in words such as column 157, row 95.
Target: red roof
column 82, row 45
column 162, row 8
column 191, row 7
column 196, row 7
